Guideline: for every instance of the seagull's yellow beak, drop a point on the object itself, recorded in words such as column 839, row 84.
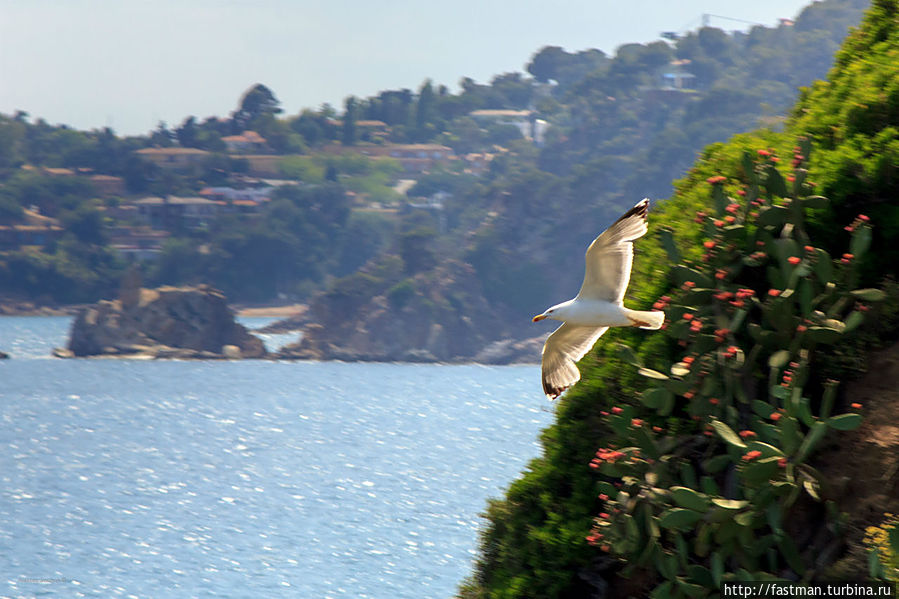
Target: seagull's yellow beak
column 538, row 318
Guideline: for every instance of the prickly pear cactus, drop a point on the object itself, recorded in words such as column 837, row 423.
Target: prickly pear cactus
column 707, row 465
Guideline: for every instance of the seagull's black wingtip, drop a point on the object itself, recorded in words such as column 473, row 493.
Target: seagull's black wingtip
column 641, row 209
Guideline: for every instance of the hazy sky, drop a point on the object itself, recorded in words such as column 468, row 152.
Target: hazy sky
column 130, row 63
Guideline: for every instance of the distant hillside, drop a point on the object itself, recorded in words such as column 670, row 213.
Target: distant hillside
column 512, row 178
column 618, row 128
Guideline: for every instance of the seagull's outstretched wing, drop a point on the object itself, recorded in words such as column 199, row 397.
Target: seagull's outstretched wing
column 610, row 256
column 562, row 350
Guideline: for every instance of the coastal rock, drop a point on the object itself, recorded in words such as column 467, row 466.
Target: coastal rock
column 510, row 351
column 4, row 356
column 434, row 316
column 294, row 322
column 168, row 322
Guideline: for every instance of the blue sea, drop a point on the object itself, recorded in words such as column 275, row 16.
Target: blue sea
column 131, row 478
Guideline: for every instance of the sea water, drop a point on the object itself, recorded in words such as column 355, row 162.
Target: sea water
column 249, row 478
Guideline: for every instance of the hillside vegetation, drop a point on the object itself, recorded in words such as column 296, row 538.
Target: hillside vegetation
column 512, row 199
column 690, row 456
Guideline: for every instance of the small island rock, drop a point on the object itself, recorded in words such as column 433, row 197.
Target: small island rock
column 168, row 322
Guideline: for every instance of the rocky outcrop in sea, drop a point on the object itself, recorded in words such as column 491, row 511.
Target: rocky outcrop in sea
column 167, row 322
column 436, row 316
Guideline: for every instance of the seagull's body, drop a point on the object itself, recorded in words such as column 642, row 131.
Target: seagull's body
column 598, row 305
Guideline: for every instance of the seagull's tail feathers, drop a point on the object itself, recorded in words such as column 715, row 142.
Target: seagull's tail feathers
column 646, row 319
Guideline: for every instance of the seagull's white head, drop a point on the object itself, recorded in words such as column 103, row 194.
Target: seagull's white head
column 557, row 312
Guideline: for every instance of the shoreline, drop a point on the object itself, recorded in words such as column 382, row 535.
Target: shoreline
column 277, row 311
column 72, row 310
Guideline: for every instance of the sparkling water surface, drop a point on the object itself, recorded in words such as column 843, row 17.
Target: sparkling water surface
column 250, row 478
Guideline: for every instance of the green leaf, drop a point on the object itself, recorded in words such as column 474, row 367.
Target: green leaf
column 682, row 274
column 607, row 488
column 730, row 504
column 854, row 320
column 626, row 354
column 812, row 487
column 773, row 216
column 719, row 199
column 767, row 450
column 861, row 240
column 875, row 566
column 805, row 412
column 679, row 369
column 778, row 359
column 679, row 518
column 789, row 433
column 806, row 296
column 774, row 515
column 668, row 404
column 830, row 394
column 688, row 498
column 737, row 319
column 744, row 518
column 774, row 182
column 824, row 335
column 727, row 434
column 716, row 463
column 791, row 554
column 845, row 422
column 701, row 575
column 664, row 590
column 815, row 202
column 894, row 540
column 689, row 589
column 869, row 294
column 781, row 393
column 814, row 435
column 667, row 238
column 762, row 409
column 655, row 397
column 709, row 486
column 823, row 265
column 717, row 563
column 760, row 471
column 652, row 374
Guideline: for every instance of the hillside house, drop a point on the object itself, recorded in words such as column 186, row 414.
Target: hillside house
column 172, row 212
column 137, row 243
column 255, row 195
column 414, row 158
column 526, row 121
column 36, row 230
column 247, row 142
column 108, row 185
column 173, row 158
column 676, row 77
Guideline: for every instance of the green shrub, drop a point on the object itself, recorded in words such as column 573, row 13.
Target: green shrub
column 703, row 472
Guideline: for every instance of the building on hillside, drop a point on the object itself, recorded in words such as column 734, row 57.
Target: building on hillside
column 247, row 208
column 366, row 130
column 414, row 158
column 229, row 194
column 173, row 158
column 174, row 212
column 137, row 243
column 108, row 185
column 531, row 128
column 477, row 163
column 263, row 165
column 676, row 77
column 245, row 143
column 35, row 230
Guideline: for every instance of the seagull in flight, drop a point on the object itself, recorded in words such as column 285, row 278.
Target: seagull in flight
column 598, row 305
